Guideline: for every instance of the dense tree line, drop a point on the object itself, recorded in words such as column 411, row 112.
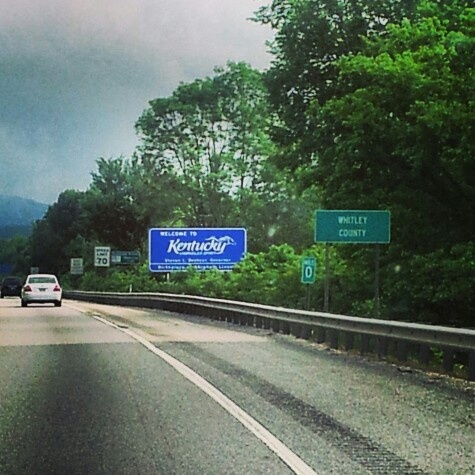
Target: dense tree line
column 376, row 102
column 367, row 105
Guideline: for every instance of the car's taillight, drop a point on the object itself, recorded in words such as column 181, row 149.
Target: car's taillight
column 57, row 288
column 27, row 288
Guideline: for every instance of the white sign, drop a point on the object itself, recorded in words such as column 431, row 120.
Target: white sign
column 102, row 256
column 77, row 266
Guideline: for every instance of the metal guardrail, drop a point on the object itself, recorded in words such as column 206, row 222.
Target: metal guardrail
column 383, row 337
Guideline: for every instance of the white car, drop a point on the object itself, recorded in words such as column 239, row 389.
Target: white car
column 41, row 288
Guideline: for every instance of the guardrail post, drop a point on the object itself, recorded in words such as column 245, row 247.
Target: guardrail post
column 250, row 321
column 402, row 350
column 382, row 347
column 448, row 360
column 334, row 339
column 364, row 344
column 295, row 330
column 349, row 341
column 471, row 366
column 321, row 335
column 305, row 331
column 425, row 354
column 235, row 318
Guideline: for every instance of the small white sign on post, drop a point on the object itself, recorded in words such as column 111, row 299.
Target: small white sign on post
column 102, row 256
column 77, row 266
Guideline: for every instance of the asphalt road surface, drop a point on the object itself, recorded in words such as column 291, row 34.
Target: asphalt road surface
column 93, row 389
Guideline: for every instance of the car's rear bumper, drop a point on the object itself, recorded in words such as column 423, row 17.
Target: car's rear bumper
column 42, row 297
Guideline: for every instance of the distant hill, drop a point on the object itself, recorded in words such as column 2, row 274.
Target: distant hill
column 18, row 214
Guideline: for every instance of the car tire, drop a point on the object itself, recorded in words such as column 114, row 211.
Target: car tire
column 58, row 304
column 23, row 303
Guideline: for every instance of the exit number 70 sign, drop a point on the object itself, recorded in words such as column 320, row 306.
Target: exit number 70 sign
column 102, row 256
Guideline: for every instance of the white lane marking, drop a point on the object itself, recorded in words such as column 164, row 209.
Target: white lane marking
column 107, row 322
column 292, row 460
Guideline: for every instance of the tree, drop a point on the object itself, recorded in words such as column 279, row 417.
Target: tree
column 111, row 206
column 63, row 221
column 375, row 101
column 310, row 37
column 14, row 252
column 212, row 135
column 398, row 134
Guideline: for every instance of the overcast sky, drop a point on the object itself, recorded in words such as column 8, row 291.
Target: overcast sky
column 75, row 75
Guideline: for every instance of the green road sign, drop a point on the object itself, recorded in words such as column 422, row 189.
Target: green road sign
column 309, row 267
column 125, row 257
column 352, row 226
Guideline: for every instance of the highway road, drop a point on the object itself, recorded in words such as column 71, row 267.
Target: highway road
column 94, row 389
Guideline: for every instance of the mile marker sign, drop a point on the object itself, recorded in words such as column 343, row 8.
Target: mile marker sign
column 309, row 266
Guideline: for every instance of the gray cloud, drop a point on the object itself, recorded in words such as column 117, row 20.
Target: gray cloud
column 75, row 76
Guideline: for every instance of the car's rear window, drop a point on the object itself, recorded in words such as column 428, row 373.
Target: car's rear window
column 11, row 280
column 42, row 280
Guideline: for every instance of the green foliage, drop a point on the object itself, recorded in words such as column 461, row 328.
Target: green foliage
column 272, row 277
column 399, row 135
column 310, row 37
column 113, row 212
column 15, row 252
column 136, row 279
column 448, row 298
column 380, row 116
column 51, row 235
column 212, row 135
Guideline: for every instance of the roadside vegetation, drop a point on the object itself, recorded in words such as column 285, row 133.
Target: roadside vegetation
column 367, row 105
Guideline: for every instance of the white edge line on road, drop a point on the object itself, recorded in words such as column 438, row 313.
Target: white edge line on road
column 292, row 460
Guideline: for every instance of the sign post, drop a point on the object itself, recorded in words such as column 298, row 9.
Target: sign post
column 326, row 287
column 357, row 227
column 308, row 275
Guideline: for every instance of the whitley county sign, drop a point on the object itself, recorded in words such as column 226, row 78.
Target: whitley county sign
column 174, row 249
column 352, row 226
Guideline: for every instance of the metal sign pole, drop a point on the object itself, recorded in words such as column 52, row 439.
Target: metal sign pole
column 377, row 256
column 308, row 276
column 326, row 297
